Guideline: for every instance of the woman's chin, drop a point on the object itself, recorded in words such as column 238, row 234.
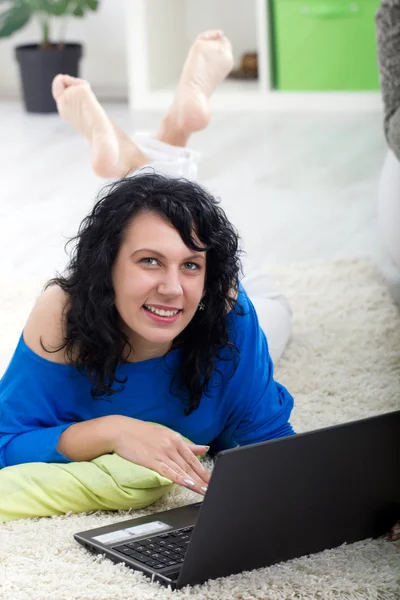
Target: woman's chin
column 157, row 337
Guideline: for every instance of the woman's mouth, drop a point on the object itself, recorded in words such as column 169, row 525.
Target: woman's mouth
column 160, row 315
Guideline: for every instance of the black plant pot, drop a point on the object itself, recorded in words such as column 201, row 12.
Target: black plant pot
column 38, row 67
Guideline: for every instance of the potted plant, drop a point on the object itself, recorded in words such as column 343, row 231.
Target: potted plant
column 39, row 63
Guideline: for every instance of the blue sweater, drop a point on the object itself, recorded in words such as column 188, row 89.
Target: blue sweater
column 39, row 399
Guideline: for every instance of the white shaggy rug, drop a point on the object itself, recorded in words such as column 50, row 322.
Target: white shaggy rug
column 343, row 363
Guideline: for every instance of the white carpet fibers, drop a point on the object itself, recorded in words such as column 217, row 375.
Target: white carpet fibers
column 343, row 363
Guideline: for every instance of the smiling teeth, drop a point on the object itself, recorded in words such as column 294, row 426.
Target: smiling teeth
column 162, row 313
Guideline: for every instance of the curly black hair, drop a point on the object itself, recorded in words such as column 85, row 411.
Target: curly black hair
column 93, row 342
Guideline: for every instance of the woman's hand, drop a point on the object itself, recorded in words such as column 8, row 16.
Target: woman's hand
column 160, row 449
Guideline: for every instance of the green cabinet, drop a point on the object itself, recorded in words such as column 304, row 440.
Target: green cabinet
column 324, row 44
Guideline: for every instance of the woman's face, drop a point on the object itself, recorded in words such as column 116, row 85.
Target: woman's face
column 158, row 284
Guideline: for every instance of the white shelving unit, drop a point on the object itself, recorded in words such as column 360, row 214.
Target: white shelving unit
column 159, row 34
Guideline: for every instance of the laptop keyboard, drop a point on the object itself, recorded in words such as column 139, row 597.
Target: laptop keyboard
column 161, row 551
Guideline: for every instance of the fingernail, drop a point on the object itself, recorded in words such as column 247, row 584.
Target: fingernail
column 208, row 447
column 189, row 482
column 204, row 489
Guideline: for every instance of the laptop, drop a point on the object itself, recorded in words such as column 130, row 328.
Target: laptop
column 267, row 503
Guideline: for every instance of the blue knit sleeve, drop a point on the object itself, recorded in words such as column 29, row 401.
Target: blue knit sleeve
column 29, row 392
column 259, row 407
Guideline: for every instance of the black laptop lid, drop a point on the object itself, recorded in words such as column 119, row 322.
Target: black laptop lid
column 290, row 497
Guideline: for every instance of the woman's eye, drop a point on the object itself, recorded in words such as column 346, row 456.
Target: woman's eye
column 149, row 261
column 192, row 266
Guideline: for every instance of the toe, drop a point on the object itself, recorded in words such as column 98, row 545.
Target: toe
column 62, row 82
column 213, row 34
column 58, row 86
column 69, row 80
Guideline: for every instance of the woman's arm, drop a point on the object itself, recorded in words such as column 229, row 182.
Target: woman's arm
column 89, row 439
column 44, row 416
column 388, row 43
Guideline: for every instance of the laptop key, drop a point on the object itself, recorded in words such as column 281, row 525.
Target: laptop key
column 143, row 559
column 137, row 556
column 175, row 557
column 127, row 551
column 162, row 559
column 152, row 563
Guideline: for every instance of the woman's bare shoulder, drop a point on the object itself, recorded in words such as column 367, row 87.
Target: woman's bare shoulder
column 46, row 324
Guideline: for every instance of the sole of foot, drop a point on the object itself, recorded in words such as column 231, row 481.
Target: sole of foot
column 209, row 61
column 112, row 152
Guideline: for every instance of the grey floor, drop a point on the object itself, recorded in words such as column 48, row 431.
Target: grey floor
column 298, row 186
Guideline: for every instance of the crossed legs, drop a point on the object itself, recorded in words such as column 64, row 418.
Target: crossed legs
column 113, row 153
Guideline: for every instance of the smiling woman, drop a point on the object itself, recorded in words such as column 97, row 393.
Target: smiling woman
column 149, row 335
column 156, row 285
column 119, row 342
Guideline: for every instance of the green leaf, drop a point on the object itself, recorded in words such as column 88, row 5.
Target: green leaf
column 78, row 12
column 35, row 5
column 81, row 6
column 93, row 4
column 57, row 8
column 13, row 19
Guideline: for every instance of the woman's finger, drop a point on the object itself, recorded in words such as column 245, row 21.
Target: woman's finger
column 187, row 469
column 194, row 463
column 196, row 449
column 172, row 471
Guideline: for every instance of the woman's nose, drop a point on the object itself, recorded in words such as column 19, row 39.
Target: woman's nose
column 170, row 284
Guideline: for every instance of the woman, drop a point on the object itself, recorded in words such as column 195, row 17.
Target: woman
column 149, row 327
column 115, row 154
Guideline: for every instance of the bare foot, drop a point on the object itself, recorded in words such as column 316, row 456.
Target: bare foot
column 209, row 61
column 113, row 153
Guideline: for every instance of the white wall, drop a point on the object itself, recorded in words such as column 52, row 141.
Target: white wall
column 236, row 17
column 166, row 41
column 104, row 62
column 161, row 35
